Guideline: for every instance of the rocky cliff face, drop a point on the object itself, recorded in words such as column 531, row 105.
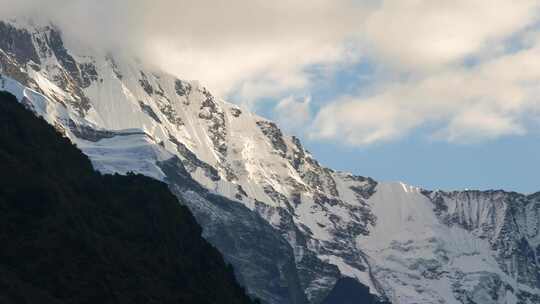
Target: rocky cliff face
column 291, row 227
column 459, row 247
column 509, row 223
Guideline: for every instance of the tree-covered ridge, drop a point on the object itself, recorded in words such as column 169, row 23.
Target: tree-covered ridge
column 71, row 235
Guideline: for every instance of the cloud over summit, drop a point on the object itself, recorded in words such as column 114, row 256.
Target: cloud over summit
column 466, row 69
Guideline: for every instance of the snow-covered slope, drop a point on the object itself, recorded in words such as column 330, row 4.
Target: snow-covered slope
column 437, row 247
column 290, row 226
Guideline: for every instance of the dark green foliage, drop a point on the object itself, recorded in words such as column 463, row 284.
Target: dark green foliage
column 71, row 235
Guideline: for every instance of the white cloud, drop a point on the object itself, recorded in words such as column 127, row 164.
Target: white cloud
column 470, row 126
column 293, row 113
column 417, row 34
column 252, row 48
column 423, row 45
column 459, row 104
column 363, row 121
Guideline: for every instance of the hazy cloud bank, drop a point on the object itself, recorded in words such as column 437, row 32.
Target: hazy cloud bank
column 465, row 70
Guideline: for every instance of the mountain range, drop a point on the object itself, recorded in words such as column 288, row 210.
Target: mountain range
column 294, row 230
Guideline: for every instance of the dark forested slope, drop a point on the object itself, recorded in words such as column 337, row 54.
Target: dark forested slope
column 71, row 235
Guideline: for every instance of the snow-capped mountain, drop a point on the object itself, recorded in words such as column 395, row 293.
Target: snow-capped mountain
column 291, row 227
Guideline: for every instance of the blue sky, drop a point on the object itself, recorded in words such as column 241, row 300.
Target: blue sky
column 509, row 162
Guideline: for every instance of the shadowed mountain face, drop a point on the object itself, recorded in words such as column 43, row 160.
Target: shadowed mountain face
column 349, row 291
column 72, row 235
